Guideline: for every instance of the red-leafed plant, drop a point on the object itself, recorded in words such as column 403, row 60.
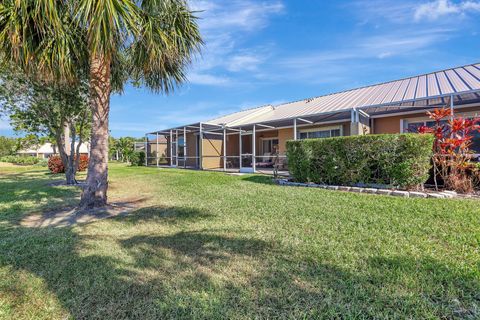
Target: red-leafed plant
column 83, row 163
column 452, row 158
column 55, row 164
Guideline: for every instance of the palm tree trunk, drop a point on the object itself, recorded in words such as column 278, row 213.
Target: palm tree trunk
column 95, row 192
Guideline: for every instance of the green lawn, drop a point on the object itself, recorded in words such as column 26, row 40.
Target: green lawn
column 207, row 245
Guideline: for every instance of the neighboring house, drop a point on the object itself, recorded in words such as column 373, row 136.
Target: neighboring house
column 48, row 149
column 232, row 142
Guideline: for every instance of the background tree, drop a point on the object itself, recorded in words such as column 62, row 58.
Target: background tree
column 8, row 146
column 149, row 41
column 113, row 151
column 55, row 111
column 124, row 146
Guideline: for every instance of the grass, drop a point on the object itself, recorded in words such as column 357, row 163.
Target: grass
column 206, row 245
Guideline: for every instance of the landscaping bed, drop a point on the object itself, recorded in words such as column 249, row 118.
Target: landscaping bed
column 427, row 193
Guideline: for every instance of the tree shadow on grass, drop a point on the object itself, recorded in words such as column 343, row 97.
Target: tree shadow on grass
column 200, row 247
column 166, row 215
column 215, row 274
column 397, row 287
column 27, row 194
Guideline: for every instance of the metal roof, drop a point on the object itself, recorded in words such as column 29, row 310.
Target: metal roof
column 242, row 116
column 426, row 89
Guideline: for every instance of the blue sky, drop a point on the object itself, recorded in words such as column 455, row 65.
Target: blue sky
column 273, row 51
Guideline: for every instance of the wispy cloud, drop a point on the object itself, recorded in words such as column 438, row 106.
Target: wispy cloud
column 379, row 11
column 208, row 79
column 244, row 62
column 258, row 51
column 337, row 65
column 237, row 14
column 225, row 25
column 441, row 8
column 401, row 43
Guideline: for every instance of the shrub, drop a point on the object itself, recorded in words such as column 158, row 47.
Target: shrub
column 453, row 158
column 83, row 163
column 20, row 160
column 399, row 160
column 137, row 158
column 55, row 164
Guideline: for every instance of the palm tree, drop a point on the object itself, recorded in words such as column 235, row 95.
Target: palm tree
column 151, row 42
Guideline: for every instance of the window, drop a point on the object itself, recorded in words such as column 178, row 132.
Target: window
column 412, row 125
column 326, row 133
column 475, row 147
column 269, row 145
column 181, row 142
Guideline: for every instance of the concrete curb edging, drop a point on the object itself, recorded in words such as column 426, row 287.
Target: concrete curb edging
column 389, row 192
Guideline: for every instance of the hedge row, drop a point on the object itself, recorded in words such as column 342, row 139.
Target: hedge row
column 397, row 160
column 25, row 160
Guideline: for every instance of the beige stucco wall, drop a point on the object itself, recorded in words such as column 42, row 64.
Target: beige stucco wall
column 387, row 125
column 283, row 136
column 160, row 149
column 191, row 149
column 212, row 149
column 233, row 148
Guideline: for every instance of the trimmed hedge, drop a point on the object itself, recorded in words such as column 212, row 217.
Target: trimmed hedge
column 397, row 160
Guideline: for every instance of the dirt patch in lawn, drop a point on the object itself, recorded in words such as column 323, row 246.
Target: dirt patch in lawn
column 70, row 216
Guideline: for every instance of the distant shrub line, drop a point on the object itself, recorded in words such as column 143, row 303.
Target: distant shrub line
column 20, row 160
column 397, row 160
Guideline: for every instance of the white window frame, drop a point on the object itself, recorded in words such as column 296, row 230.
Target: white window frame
column 327, row 128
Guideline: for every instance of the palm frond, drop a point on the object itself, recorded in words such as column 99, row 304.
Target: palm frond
column 151, row 42
column 168, row 39
column 38, row 36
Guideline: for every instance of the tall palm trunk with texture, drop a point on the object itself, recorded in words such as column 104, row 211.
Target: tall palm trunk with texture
column 95, row 192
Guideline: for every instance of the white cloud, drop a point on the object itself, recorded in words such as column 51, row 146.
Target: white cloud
column 246, row 62
column 225, row 26
column 208, row 79
column 239, row 14
column 356, row 56
column 442, row 8
column 378, row 11
column 401, row 43
column 384, row 55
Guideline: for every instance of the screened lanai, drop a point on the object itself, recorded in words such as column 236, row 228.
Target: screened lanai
column 254, row 140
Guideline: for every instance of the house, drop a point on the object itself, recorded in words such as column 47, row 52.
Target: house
column 48, row 149
column 248, row 140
